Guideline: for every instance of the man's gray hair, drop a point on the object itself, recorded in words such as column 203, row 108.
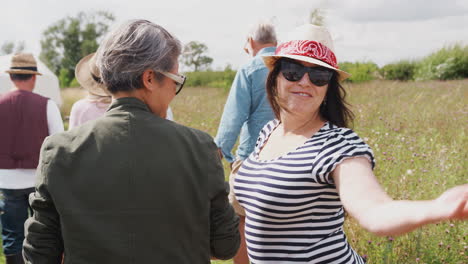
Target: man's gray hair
column 132, row 48
column 263, row 33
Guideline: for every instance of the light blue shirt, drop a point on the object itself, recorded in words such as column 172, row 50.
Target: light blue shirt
column 247, row 109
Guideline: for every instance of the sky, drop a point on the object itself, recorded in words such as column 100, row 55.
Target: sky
column 381, row 31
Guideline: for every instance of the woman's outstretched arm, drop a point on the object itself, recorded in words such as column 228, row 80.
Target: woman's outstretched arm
column 366, row 201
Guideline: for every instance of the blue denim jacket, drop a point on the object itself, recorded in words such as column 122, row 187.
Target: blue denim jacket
column 247, row 109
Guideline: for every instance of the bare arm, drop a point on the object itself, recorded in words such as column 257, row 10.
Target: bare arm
column 366, row 201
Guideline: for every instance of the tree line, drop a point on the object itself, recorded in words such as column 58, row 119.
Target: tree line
column 68, row 40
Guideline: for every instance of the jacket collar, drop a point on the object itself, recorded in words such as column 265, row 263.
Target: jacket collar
column 265, row 50
column 128, row 102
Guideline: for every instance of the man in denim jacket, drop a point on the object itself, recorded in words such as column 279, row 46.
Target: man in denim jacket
column 246, row 112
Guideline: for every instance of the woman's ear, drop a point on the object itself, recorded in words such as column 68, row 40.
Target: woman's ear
column 149, row 79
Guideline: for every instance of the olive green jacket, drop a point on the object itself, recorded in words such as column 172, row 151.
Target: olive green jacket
column 130, row 187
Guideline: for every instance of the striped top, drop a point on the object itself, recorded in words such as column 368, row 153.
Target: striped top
column 293, row 210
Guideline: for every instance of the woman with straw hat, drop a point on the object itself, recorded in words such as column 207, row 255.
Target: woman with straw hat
column 308, row 167
column 98, row 99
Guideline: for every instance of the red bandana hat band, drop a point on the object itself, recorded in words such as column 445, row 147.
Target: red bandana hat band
column 308, row 48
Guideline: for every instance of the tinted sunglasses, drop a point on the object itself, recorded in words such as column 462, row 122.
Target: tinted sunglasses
column 293, row 72
column 178, row 79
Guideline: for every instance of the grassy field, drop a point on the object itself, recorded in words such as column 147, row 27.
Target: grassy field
column 417, row 131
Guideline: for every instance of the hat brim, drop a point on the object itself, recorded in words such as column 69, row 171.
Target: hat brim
column 270, row 60
column 85, row 79
column 18, row 71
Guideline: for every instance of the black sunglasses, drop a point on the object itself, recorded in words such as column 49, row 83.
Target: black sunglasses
column 293, row 72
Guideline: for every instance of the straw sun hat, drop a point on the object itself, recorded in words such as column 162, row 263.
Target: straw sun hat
column 88, row 76
column 311, row 44
column 23, row 63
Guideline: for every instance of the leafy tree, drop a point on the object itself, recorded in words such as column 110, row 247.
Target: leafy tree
column 65, row 42
column 194, row 56
column 450, row 62
column 402, row 70
column 9, row 47
column 317, row 17
column 360, row 71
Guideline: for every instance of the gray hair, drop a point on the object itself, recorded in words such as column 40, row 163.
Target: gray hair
column 263, row 33
column 132, row 48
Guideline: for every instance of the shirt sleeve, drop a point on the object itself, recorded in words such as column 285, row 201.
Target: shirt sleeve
column 54, row 118
column 340, row 146
column 224, row 223
column 236, row 112
column 43, row 239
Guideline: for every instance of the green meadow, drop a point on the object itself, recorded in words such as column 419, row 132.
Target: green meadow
column 418, row 132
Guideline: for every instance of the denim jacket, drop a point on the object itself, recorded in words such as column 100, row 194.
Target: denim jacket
column 247, row 109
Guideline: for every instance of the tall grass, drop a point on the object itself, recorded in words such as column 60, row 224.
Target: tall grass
column 418, row 133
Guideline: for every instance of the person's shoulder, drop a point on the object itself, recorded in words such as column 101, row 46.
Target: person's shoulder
column 258, row 62
column 256, row 65
column 58, row 143
column 21, row 93
column 41, row 96
column 80, row 103
column 346, row 143
column 269, row 127
column 85, row 105
column 338, row 131
column 192, row 133
column 33, row 95
column 345, row 134
column 69, row 137
column 78, row 136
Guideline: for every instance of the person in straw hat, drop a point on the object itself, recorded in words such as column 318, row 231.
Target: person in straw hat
column 308, row 167
column 132, row 186
column 26, row 119
column 97, row 100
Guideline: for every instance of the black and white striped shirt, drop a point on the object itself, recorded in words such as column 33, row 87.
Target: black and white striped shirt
column 293, row 210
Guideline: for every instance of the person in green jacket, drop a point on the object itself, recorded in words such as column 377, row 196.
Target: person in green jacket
column 131, row 186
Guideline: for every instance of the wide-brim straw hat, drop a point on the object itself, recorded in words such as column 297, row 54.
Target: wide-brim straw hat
column 311, row 44
column 23, row 63
column 88, row 76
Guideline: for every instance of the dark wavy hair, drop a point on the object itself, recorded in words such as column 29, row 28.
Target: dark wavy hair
column 334, row 108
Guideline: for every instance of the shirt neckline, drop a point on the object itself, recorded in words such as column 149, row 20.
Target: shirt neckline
column 276, row 124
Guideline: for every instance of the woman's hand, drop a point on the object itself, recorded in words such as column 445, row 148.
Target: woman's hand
column 452, row 204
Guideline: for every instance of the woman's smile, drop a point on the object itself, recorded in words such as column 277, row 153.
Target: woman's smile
column 302, row 94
